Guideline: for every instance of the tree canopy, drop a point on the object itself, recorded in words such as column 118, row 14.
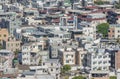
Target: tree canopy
column 16, row 52
column 66, row 68
column 113, row 77
column 103, row 29
column 78, row 77
column 100, row 2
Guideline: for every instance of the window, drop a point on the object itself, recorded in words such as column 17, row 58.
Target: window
column 67, row 61
column 51, row 64
column 51, row 69
column 118, row 35
column 100, row 57
column 71, row 55
column 105, row 56
column 94, row 62
column 4, row 35
column 94, row 57
column 66, row 56
column 118, row 31
column 56, row 68
column 99, row 62
column 43, row 64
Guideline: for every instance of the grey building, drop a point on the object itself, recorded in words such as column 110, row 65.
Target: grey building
column 12, row 21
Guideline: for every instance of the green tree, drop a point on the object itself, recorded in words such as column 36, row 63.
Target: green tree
column 16, row 52
column 100, row 2
column 78, row 77
column 113, row 77
column 66, row 68
column 103, row 29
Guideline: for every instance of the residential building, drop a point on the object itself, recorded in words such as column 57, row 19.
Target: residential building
column 12, row 44
column 49, row 69
column 6, row 58
column 117, row 62
column 88, row 31
column 4, row 1
column 94, row 18
column 69, row 21
column 31, row 54
column 118, row 73
column 54, row 67
column 98, row 60
column 53, row 50
column 80, row 57
column 60, row 33
column 114, row 54
column 67, row 56
column 12, row 21
column 76, row 34
column 40, row 73
column 44, row 56
column 36, row 20
column 114, row 31
column 100, row 75
column 30, row 12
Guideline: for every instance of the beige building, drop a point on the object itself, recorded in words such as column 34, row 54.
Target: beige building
column 80, row 55
column 12, row 44
column 71, row 56
column 67, row 56
column 3, row 34
column 117, row 62
column 114, row 31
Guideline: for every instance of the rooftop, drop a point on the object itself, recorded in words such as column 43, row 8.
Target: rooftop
column 5, row 51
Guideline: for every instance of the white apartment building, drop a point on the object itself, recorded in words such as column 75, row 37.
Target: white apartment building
column 96, row 18
column 35, row 21
column 89, row 32
column 67, row 56
column 44, row 55
column 6, row 58
column 49, row 69
column 30, row 53
column 4, row 1
column 98, row 60
column 53, row 67
column 57, row 32
column 118, row 74
column 40, row 72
